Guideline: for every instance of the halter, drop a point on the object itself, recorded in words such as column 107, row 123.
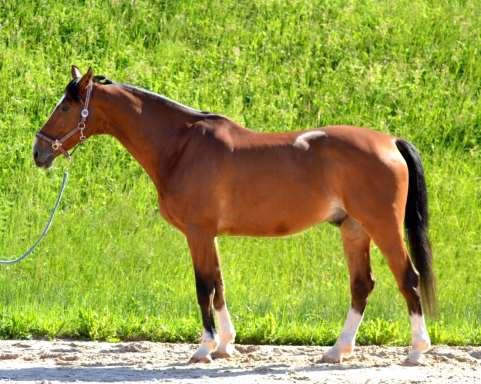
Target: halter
column 57, row 144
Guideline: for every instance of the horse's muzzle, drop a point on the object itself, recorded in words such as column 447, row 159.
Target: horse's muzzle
column 43, row 156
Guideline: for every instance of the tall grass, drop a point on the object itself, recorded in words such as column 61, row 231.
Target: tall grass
column 112, row 269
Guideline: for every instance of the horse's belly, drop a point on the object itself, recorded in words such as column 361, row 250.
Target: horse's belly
column 278, row 217
column 276, row 193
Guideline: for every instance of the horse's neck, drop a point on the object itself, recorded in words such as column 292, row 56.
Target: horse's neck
column 151, row 131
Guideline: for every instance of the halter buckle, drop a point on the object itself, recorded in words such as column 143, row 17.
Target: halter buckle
column 84, row 113
column 56, row 145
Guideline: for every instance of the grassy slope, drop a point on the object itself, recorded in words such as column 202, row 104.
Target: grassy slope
column 112, row 269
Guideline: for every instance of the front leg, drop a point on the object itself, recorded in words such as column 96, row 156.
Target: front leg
column 208, row 342
column 225, row 348
column 209, row 287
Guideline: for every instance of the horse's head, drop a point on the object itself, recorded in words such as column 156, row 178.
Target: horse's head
column 65, row 127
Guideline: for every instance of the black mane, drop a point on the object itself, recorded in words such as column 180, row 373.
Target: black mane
column 72, row 89
column 164, row 100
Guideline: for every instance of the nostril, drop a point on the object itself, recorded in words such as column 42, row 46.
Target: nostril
column 35, row 154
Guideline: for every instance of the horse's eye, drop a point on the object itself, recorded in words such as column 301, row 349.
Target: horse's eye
column 65, row 108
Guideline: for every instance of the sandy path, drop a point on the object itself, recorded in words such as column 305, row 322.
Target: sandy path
column 145, row 362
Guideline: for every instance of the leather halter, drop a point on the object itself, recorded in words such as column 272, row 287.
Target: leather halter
column 57, row 143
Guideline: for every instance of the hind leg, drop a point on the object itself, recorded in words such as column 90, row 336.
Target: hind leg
column 356, row 247
column 389, row 239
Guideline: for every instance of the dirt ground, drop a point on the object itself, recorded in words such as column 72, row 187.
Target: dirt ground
column 145, row 362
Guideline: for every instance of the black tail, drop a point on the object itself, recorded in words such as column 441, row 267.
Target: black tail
column 416, row 223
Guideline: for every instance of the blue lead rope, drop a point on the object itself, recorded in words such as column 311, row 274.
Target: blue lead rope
column 47, row 226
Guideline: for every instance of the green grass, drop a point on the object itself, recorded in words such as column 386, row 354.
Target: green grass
column 112, row 269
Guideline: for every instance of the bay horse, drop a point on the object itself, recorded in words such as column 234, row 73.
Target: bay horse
column 215, row 177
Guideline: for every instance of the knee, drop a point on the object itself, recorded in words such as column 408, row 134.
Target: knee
column 411, row 280
column 360, row 290
column 219, row 301
column 371, row 282
column 362, row 287
column 205, row 289
column 410, row 290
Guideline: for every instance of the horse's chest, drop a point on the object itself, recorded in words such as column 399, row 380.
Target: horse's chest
column 169, row 212
column 184, row 209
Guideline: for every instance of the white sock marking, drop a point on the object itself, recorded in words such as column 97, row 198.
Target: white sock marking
column 207, row 345
column 347, row 339
column 351, row 325
column 226, row 329
column 420, row 337
column 302, row 141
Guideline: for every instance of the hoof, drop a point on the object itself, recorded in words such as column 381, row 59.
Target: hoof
column 221, row 355
column 200, row 359
column 202, row 354
column 331, row 358
column 421, row 346
column 335, row 355
column 224, row 351
column 415, row 358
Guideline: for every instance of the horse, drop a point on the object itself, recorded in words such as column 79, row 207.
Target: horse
column 214, row 177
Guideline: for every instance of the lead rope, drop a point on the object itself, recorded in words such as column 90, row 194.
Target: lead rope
column 84, row 113
column 47, row 226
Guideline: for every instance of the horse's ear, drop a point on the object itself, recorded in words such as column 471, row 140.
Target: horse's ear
column 85, row 81
column 75, row 72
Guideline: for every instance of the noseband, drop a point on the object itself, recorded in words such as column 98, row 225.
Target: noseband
column 57, row 144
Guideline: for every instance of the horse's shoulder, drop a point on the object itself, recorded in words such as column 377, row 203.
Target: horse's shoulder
column 218, row 129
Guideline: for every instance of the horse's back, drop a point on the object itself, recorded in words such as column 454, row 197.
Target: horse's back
column 312, row 176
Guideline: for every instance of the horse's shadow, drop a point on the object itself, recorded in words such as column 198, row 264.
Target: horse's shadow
column 110, row 374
